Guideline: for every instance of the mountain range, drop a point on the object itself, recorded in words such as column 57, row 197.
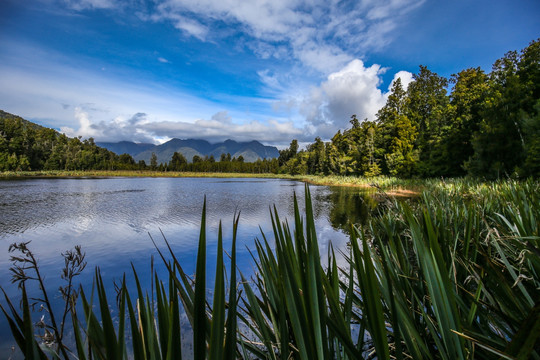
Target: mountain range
column 251, row 151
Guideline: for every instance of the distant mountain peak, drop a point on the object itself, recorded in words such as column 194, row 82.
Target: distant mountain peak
column 251, row 151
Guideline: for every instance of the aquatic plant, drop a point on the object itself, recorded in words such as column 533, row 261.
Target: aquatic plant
column 454, row 274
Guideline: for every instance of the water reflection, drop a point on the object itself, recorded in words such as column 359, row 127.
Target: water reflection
column 111, row 219
column 350, row 206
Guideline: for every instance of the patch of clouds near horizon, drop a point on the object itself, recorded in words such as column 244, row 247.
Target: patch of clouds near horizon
column 219, row 128
column 80, row 105
column 119, row 128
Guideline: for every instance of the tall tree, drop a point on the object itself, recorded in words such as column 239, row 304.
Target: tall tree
column 287, row 154
column 178, row 162
column 316, row 157
column 427, row 108
column 529, row 75
column 499, row 146
column 153, row 162
column 466, row 100
column 398, row 134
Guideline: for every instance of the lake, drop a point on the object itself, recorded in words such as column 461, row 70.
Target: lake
column 113, row 219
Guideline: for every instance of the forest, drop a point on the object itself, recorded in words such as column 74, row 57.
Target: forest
column 28, row 146
column 485, row 125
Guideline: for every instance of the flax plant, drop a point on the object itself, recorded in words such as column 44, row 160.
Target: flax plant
column 454, row 274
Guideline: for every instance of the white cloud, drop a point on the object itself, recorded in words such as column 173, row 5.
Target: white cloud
column 215, row 129
column 91, row 4
column 323, row 35
column 190, row 26
column 220, row 127
column 85, row 129
column 163, row 60
column 352, row 90
column 117, row 129
column 406, row 78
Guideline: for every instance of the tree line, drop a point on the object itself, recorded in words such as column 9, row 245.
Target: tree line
column 225, row 164
column 486, row 125
column 474, row 123
column 28, row 146
column 25, row 146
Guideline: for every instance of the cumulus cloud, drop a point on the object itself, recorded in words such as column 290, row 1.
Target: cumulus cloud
column 351, row 90
column 406, row 78
column 117, row 129
column 219, row 127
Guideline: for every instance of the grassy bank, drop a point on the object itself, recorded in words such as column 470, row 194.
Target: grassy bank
column 390, row 185
column 455, row 275
column 393, row 185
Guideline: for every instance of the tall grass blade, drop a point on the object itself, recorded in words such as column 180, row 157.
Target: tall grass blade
column 231, row 326
column 218, row 308
column 199, row 301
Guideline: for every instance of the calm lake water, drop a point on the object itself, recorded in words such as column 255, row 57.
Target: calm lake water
column 113, row 219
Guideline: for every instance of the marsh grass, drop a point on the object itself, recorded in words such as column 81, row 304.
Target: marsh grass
column 454, row 274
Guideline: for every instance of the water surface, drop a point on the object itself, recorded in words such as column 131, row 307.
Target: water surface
column 113, row 219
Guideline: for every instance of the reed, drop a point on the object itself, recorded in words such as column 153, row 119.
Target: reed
column 454, row 274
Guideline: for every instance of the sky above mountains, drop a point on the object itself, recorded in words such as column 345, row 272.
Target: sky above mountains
column 270, row 70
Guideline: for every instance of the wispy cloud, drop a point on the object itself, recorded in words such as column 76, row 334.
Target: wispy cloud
column 92, row 4
column 323, row 35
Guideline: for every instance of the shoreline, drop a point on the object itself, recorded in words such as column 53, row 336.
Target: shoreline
column 391, row 186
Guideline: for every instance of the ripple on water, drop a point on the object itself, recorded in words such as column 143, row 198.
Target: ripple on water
column 111, row 219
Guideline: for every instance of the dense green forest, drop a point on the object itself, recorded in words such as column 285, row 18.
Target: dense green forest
column 475, row 123
column 484, row 125
column 27, row 146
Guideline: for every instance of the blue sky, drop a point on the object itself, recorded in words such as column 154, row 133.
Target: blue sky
column 270, row 70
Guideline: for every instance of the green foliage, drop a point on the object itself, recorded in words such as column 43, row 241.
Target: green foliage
column 427, row 109
column 487, row 126
column 27, row 146
column 453, row 275
column 178, row 162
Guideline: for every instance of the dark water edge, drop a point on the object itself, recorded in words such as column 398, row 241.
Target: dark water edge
column 113, row 219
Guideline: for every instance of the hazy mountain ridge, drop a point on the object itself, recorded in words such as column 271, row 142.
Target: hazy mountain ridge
column 125, row 147
column 250, row 151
